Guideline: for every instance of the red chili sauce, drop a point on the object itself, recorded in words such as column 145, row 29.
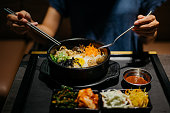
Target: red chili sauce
column 136, row 80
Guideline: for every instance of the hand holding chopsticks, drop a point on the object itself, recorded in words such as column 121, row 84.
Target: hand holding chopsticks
column 33, row 27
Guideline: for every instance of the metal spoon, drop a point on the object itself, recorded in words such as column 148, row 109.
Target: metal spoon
column 108, row 45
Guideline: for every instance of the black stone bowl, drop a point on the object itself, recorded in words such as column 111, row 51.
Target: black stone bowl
column 78, row 76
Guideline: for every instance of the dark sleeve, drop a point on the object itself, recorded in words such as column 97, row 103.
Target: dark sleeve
column 60, row 6
column 150, row 5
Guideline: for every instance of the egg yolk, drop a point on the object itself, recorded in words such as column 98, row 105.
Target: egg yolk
column 79, row 61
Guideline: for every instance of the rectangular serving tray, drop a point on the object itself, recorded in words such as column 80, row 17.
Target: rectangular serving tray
column 26, row 98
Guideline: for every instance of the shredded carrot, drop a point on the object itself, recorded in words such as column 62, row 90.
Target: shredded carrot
column 90, row 50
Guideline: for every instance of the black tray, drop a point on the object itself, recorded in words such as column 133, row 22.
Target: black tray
column 34, row 94
column 112, row 75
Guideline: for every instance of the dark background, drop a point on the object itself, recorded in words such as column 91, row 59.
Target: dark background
column 13, row 47
column 37, row 8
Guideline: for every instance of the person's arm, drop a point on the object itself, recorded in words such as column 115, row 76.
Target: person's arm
column 146, row 28
column 50, row 24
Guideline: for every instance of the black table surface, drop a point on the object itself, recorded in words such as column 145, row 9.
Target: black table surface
column 34, row 94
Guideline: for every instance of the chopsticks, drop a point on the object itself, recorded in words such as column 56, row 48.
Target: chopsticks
column 35, row 28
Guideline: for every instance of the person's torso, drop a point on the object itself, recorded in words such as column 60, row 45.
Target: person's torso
column 104, row 20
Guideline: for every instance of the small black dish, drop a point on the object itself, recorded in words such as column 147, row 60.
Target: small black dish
column 125, row 110
column 54, row 109
column 112, row 76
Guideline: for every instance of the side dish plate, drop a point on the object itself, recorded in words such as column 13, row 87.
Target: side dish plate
column 55, row 109
column 126, row 110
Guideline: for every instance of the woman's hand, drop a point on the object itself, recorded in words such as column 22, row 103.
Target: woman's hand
column 18, row 23
column 146, row 27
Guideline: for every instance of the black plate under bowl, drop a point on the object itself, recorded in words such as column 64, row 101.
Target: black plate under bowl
column 112, row 76
column 125, row 110
column 55, row 109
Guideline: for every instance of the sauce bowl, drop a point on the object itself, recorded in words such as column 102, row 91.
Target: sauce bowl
column 137, row 77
